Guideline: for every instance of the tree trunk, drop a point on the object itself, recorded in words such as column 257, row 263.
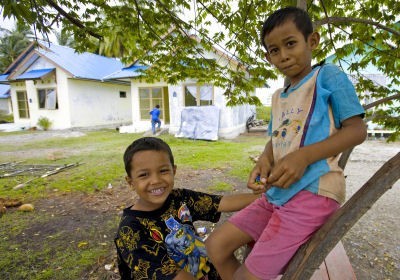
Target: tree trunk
column 311, row 254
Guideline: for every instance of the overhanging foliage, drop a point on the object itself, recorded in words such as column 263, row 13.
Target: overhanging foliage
column 159, row 32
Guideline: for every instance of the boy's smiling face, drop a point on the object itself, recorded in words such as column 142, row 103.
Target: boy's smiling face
column 289, row 51
column 152, row 177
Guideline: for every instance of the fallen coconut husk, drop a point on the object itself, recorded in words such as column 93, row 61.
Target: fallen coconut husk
column 10, row 202
column 26, row 207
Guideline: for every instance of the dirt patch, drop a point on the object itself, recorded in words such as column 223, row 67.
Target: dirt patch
column 372, row 244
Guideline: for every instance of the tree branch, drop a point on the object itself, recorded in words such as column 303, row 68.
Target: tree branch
column 380, row 101
column 330, row 31
column 320, row 22
column 72, row 19
column 385, row 52
column 233, row 32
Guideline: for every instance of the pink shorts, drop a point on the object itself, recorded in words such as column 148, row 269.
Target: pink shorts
column 278, row 231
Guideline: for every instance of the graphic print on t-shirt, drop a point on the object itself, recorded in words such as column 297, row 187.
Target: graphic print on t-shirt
column 184, row 246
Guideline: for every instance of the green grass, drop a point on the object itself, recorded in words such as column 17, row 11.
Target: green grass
column 220, row 187
column 40, row 254
column 56, row 255
column 263, row 113
column 100, row 154
column 6, row 117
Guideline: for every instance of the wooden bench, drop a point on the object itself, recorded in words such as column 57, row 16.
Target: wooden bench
column 335, row 266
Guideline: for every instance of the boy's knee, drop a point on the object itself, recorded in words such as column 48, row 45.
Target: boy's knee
column 213, row 247
column 210, row 244
column 217, row 249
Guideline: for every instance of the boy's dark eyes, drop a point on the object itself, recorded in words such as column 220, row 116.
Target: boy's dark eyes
column 274, row 50
column 144, row 174
column 291, row 43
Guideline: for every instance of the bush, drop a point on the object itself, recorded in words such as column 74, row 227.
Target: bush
column 6, row 118
column 44, row 123
column 263, row 113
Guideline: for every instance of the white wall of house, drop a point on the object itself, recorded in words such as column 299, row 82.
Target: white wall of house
column 5, row 106
column 81, row 103
column 93, row 103
column 265, row 93
column 60, row 117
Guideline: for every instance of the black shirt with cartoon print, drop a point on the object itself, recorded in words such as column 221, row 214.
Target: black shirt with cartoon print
column 158, row 244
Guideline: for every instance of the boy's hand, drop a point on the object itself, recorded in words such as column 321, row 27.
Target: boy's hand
column 288, row 170
column 258, row 176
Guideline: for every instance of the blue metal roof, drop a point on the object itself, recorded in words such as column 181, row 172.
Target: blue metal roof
column 80, row 65
column 128, row 72
column 34, row 74
column 4, row 91
column 3, row 79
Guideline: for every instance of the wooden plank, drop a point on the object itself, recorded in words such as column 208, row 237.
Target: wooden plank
column 321, row 273
column 338, row 264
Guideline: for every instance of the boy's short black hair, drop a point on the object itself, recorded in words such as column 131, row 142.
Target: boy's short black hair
column 157, row 106
column 299, row 17
column 145, row 144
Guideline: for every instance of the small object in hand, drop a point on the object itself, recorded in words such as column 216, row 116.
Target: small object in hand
column 258, row 180
column 201, row 231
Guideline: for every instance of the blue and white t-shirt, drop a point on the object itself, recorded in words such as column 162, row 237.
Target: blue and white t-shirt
column 308, row 113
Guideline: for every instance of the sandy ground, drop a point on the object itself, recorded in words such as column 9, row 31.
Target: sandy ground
column 373, row 244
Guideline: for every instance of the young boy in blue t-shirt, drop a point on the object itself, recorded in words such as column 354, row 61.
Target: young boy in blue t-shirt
column 315, row 118
column 155, row 118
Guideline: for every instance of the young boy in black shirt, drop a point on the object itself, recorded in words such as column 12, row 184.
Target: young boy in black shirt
column 156, row 238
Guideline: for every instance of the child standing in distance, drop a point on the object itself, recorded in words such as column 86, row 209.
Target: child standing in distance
column 156, row 238
column 155, row 118
column 314, row 119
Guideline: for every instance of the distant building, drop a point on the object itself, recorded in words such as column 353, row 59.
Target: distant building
column 84, row 90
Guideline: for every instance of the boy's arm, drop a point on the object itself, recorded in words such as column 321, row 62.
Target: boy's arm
column 183, row 275
column 262, row 168
column 291, row 168
column 235, row 202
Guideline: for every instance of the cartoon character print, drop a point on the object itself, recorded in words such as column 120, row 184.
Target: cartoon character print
column 155, row 234
column 203, row 204
column 139, row 272
column 184, row 247
column 127, row 242
column 288, row 126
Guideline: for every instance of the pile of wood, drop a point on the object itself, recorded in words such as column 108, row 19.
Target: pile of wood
column 11, row 169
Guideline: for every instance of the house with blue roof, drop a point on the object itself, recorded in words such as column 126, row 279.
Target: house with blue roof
column 83, row 90
column 56, row 82
column 188, row 108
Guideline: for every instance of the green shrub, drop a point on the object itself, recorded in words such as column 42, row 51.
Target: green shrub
column 263, row 113
column 6, row 118
column 44, row 123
